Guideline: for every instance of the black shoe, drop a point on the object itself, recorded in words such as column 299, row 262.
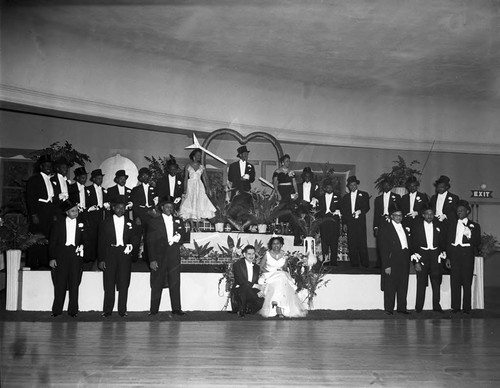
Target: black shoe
column 152, row 313
column 179, row 312
column 418, row 311
column 105, row 315
column 438, row 310
column 241, row 314
column 455, row 311
column 389, row 312
column 123, row 315
column 73, row 315
column 466, row 312
column 54, row 315
column 405, row 312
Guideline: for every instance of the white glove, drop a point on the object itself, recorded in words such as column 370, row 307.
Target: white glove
column 357, row 213
column 467, row 232
column 245, row 177
column 294, row 196
column 129, row 205
column 413, row 214
column 93, row 208
column 155, row 200
column 128, row 249
column 79, row 250
column 314, row 202
column 336, row 213
column 442, row 217
column 63, row 196
column 175, row 239
column 177, row 200
column 442, row 256
column 107, row 206
column 416, row 257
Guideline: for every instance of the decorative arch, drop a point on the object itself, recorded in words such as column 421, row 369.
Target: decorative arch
column 242, row 139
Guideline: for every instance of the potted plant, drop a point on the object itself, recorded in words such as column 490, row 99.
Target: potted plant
column 398, row 175
column 66, row 151
column 489, row 245
column 218, row 199
column 263, row 206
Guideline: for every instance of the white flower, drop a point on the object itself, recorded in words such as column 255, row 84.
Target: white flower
column 129, row 224
column 359, row 194
column 471, row 226
column 408, row 229
column 104, row 191
column 88, row 192
column 450, row 200
column 80, row 225
column 178, row 221
column 439, row 230
column 418, row 197
column 178, row 182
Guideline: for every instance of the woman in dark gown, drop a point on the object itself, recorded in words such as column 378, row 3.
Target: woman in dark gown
column 285, row 189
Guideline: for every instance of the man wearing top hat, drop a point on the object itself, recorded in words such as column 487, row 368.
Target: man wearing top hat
column 41, row 211
column 77, row 190
column 241, row 174
column 120, row 190
column 308, row 191
column 171, row 187
column 329, row 213
column 444, row 203
column 463, row 243
column 413, row 202
column 116, row 243
column 67, row 245
column 354, row 206
column 163, row 242
column 95, row 200
column 60, row 183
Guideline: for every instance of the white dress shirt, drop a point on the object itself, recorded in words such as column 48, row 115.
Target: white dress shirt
column 354, row 194
column 145, row 186
column 249, row 271
column 306, row 191
column 70, row 231
column 48, row 186
column 429, row 236
column 387, row 197
column 243, row 167
column 440, row 203
column 459, row 235
column 81, row 195
column 121, row 190
column 328, row 202
column 169, row 225
column 63, row 183
column 119, row 226
column 413, row 196
column 401, row 234
column 171, row 184
column 98, row 192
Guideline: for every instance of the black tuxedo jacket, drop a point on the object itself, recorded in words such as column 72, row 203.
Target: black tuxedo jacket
column 36, row 191
column 314, row 191
column 107, row 237
column 418, row 236
column 57, row 187
column 449, row 207
column 157, row 240
column 74, row 195
column 241, row 274
column 474, row 240
column 362, row 203
column 234, row 176
column 334, row 205
column 421, row 200
column 113, row 193
column 138, row 198
column 163, row 188
column 378, row 215
column 390, row 249
column 57, row 240
column 91, row 195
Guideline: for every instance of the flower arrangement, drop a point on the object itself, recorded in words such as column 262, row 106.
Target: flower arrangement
column 399, row 173
column 16, row 236
column 66, row 151
column 264, row 205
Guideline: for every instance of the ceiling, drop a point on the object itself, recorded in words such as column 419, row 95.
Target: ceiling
column 439, row 48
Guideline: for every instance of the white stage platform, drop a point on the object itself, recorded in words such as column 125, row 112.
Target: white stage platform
column 199, row 292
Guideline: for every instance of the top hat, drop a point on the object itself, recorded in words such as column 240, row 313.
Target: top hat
column 352, row 179
column 120, row 173
column 144, row 170
column 442, row 179
column 165, row 201
column 95, row 173
column 464, row 203
column 307, row 170
column 44, row 159
column 394, row 207
column 80, row 171
column 67, row 205
column 241, row 150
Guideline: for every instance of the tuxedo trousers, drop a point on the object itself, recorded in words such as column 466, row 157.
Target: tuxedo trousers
column 356, row 242
column 169, row 270
column 116, row 276
column 462, row 273
column 432, row 269
column 247, row 298
column 38, row 255
column 94, row 218
column 67, row 276
column 396, row 284
column 330, row 233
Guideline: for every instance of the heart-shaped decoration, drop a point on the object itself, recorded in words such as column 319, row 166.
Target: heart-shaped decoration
column 242, row 139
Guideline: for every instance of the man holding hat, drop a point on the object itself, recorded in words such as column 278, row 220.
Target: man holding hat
column 96, row 210
column 66, row 246
column 443, row 202
column 41, row 210
column 241, row 174
column 116, row 243
column 354, row 206
column 120, row 190
column 171, row 187
column 163, row 241
column 464, row 240
column 413, row 202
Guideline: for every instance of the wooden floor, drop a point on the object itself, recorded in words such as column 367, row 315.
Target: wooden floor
column 363, row 353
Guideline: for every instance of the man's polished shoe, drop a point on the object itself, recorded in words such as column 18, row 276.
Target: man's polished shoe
column 438, row 310
column 179, row 312
column 455, row 311
column 418, row 311
column 389, row 312
column 466, row 312
column 54, row 315
column 105, row 315
column 73, row 315
column 123, row 315
column 152, row 313
column 405, row 312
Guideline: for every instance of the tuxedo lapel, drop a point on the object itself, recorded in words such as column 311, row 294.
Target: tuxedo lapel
column 256, row 270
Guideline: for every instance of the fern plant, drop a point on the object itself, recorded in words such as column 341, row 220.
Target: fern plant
column 399, row 173
column 66, row 151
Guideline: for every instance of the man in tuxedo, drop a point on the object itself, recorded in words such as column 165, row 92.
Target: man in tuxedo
column 381, row 211
column 163, row 237
column 116, row 243
column 394, row 245
column 95, row 201
column 77, row 190
column 444, row 203
column 171, row 187
column 308, row 191
column 354, row 207
column 60, row 183
column 413, row 202
column 463, row 242
column 241, row 174
column 428, row 248
column 41, row 211
column 246, row 290
column 119, row 190
column 329, row 213
column 66, row 246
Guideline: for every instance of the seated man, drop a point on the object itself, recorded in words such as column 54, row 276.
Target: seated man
column 247, row 292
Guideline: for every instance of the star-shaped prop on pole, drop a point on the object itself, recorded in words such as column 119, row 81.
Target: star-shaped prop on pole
column 196, row 144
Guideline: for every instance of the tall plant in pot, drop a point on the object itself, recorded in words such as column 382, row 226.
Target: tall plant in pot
column 218, row 199
column 398, row 175
column 264, row 204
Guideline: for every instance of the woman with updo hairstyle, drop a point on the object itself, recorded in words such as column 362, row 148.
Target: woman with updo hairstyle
column 195, row 204
column 284, row 182
column 280, row 298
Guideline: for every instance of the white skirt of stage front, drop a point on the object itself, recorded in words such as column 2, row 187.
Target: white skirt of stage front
column 279, row 288
column 196, row 205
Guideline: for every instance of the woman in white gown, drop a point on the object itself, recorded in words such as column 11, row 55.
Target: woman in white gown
column 196, row 205
column 280, row 298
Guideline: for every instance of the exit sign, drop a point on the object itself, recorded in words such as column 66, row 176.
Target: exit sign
column 481, row 194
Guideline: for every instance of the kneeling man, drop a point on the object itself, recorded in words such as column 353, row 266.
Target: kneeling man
column 247, row 292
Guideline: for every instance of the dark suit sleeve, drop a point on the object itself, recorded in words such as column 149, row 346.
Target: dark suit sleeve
column 365, row 204
column 162, row 188
column 251, row 172
column 154, row 239
column 32, row 190
column 476, row 237
column 384, row 244
column 377, row 212
column 239, row 279
column 230, row 173
column 55, row 236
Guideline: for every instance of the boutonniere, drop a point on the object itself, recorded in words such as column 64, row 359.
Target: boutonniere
column 417, row 198
column 179, row 183
column 177, row 221
column 360, row 195
column 249, row 166
column 407, row 229
column 393, row 197
column 471, row 226
column 129, row 224
column 151, row 188
column 439, row 230
column 54, row 182
column 105, row 191
column 127, row 190
column 80, row 225
column 88, row 192
column 450, row 199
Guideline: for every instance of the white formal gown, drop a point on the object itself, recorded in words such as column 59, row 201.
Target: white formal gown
column 196, row 205
column 280, row 288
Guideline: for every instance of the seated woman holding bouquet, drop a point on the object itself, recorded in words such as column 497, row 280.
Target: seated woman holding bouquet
column 280, row 298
